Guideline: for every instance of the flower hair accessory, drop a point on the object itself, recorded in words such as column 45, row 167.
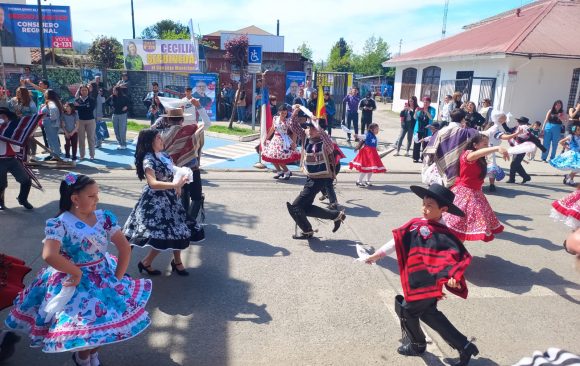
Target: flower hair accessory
column 70, row 178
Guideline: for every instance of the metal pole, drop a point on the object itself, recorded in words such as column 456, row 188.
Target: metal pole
column 133, row 18
column 253, row 102
column 41, row 26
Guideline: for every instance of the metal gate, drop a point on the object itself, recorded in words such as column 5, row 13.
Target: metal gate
column 337, row 84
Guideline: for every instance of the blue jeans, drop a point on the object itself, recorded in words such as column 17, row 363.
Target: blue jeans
column 552, row 135
column 241, row 113
column 52, row 137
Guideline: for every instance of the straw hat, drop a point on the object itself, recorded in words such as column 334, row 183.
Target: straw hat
column 174, row 113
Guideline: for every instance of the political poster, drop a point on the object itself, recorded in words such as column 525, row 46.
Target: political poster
column 161, row 55
column 204, row 88
column 19, row 26
column 294, row 81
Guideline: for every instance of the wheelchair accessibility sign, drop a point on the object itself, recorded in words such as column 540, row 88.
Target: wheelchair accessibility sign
column 254, row 59
column 254, row 55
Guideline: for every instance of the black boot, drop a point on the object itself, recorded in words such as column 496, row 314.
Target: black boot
column 23, row 196
column 466, row 353
column 2, row 204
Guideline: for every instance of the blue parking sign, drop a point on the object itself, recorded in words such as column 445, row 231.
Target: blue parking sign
column 254, row 55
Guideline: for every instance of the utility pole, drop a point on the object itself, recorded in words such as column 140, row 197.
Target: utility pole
column 400, row 45
column 133, row 18
column 41, row 26
column 444, row 29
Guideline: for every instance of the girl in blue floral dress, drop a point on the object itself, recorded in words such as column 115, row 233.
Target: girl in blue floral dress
column 83, row 300
column 569, row 160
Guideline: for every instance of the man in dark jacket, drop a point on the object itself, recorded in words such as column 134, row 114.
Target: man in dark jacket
column 367, row 106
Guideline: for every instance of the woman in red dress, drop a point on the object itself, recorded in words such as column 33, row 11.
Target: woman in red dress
column 479, row 222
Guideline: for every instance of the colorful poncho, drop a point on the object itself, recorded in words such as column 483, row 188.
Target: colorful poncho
column 428, row 255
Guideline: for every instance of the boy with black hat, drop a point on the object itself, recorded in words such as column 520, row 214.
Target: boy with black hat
column 429, row 256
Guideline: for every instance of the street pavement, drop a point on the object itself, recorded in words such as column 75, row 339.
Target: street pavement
column 256, row 297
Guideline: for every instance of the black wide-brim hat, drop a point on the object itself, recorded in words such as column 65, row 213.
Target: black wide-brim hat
column 441, row 194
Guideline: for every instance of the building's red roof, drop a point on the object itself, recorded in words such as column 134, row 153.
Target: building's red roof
column 543, row 28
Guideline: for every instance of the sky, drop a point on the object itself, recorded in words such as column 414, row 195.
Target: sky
column 319, row 23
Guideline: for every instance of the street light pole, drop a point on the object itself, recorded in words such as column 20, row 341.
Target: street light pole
column 133, row 18
column 40, row 25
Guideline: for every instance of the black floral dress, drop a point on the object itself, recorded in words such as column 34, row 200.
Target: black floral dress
column 158, row 219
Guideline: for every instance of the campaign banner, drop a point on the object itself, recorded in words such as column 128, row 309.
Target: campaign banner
column 294, row 81
column 204, row 88
column 19, row 26
column 161, row 55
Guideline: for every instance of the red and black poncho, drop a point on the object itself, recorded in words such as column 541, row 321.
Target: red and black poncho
column 428, row 255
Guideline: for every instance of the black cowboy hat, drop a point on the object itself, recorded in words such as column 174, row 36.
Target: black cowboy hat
column 524, row 120
column 11, row 115
column 441, row 194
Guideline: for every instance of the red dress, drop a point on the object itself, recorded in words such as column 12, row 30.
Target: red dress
column 12, row 272
column 567, row 210
column 479, row 222
column 279, row 149
column 368, row 160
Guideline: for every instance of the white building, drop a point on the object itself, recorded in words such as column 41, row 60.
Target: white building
column 523, row 60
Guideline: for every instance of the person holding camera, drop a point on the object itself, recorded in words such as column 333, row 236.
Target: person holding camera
column 552, row 129
column 424, row 116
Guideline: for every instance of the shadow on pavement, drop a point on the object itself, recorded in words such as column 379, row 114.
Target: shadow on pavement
column 505, row 219
column 527, row 241
column 340, row 247
column 516, row 279
column 359, row 210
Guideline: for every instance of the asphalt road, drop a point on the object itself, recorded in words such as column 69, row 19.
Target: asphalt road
column 257, row 297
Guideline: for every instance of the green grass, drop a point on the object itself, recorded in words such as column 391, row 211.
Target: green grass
column 131, row 126
column 237, row 131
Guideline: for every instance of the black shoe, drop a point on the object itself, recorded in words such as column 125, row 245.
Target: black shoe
column 466, row 353
column 565, row 181
column 492, row 187
column 322, row 198
column 181, row 272
column 526, row 180
column 26, row 204
column 510, row 181
column 7, row 346
column 150, row 272
column 411, row 350
column 303, row 236
column 338, row 221
column 48, row 158
column 2, row 204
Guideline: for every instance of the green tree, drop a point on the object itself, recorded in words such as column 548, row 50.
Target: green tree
column 172, row 34
column 106, row 52
column 237, row 52
column 341, row 57
column 305, row 50
column 164, row 27
column 375, row 52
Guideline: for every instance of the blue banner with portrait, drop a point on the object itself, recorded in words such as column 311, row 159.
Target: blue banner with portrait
column 294, row 81
column 19, row 26
column 204, row 88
